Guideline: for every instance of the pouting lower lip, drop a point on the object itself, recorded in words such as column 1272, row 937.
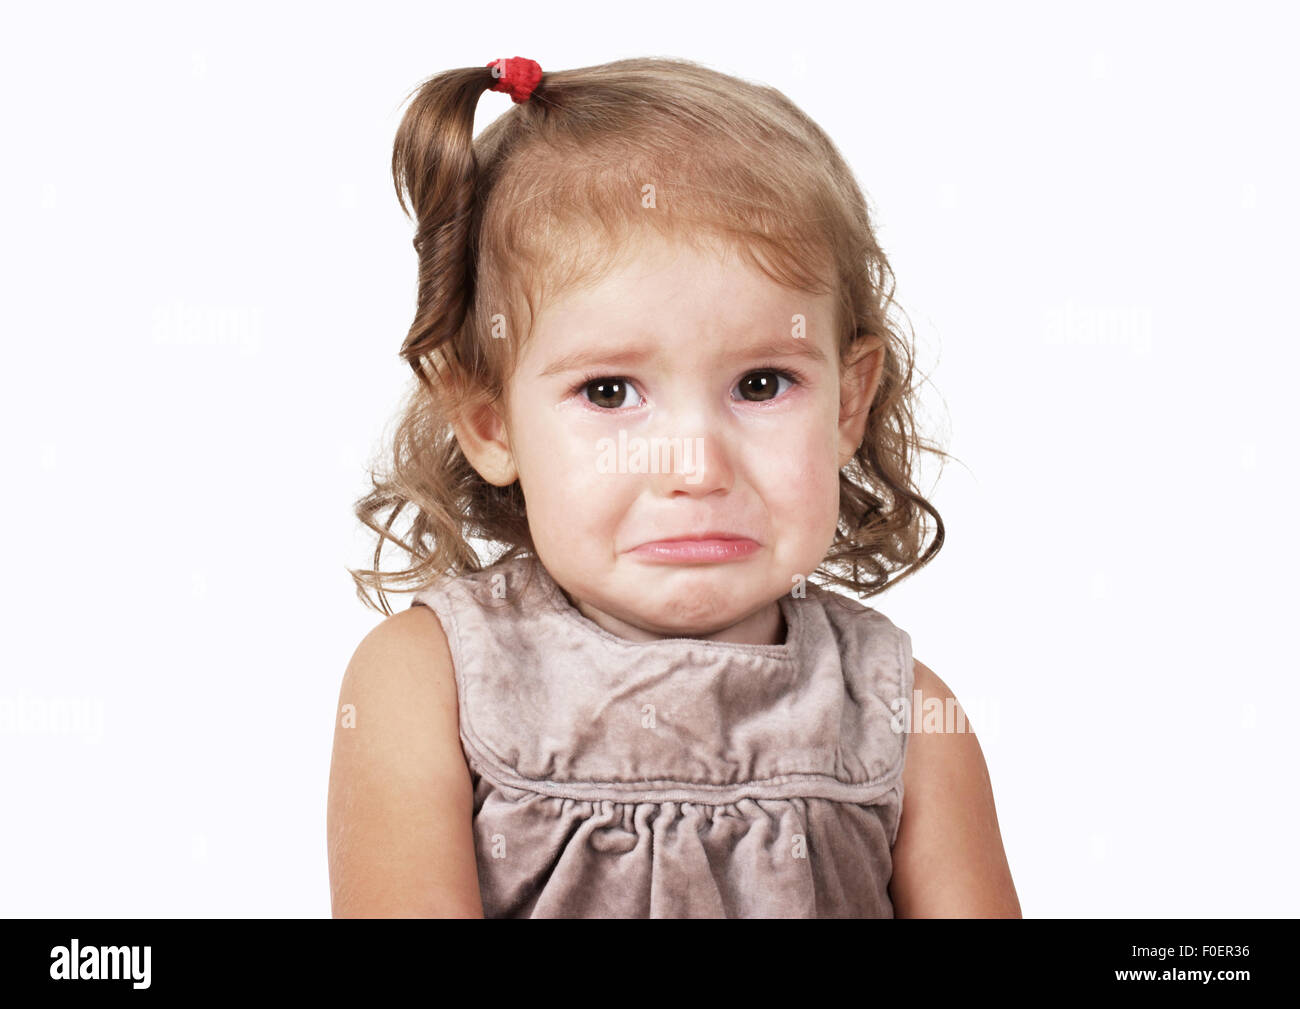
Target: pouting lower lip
column 710, row 549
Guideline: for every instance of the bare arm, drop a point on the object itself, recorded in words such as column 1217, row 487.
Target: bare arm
column 948, row 857
column 400, row 798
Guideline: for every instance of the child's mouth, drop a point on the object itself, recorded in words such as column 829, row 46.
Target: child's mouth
column 699, row 551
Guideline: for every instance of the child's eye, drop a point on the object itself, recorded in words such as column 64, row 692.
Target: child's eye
column 610, row 392
column 764, row 384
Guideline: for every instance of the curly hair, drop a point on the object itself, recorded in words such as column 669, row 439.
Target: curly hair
column 540, row 201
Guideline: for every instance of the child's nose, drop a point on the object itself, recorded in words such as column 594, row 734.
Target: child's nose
column 694, row 426
column 695, row 465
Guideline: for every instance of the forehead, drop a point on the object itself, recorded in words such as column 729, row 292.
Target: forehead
column 678, row 298
column 645, row 270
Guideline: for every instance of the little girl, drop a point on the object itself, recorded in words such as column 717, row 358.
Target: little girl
column 657, row 378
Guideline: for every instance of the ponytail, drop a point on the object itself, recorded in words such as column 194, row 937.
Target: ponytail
column 435, row 175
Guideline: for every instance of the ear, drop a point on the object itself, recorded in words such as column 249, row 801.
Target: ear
column 486, row 443
column 858, row 383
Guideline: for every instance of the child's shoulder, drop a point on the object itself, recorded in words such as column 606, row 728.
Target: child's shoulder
column 401, row 675
column 412, row 636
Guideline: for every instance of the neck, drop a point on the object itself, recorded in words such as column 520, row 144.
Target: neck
column 765, row 626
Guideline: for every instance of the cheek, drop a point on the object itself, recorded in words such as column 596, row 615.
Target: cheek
column 799, row 464
column 799, row 478
column 568, row 497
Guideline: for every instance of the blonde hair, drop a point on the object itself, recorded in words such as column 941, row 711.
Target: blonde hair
column 543, row 199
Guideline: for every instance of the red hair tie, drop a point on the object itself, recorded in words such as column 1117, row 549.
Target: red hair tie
column 518, row 76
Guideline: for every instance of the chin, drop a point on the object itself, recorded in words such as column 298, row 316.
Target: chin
column 688, row 612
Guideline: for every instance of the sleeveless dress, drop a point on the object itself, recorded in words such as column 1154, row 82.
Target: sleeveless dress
column 676, row 778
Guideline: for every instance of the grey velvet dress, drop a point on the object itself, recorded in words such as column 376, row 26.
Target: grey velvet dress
column 676, row 778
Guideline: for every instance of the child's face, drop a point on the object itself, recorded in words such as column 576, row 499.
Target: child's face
column 765, row 453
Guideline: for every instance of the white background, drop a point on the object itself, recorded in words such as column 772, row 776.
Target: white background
column 1092, row 215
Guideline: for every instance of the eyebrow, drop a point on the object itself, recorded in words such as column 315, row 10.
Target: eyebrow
column 591, row 358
